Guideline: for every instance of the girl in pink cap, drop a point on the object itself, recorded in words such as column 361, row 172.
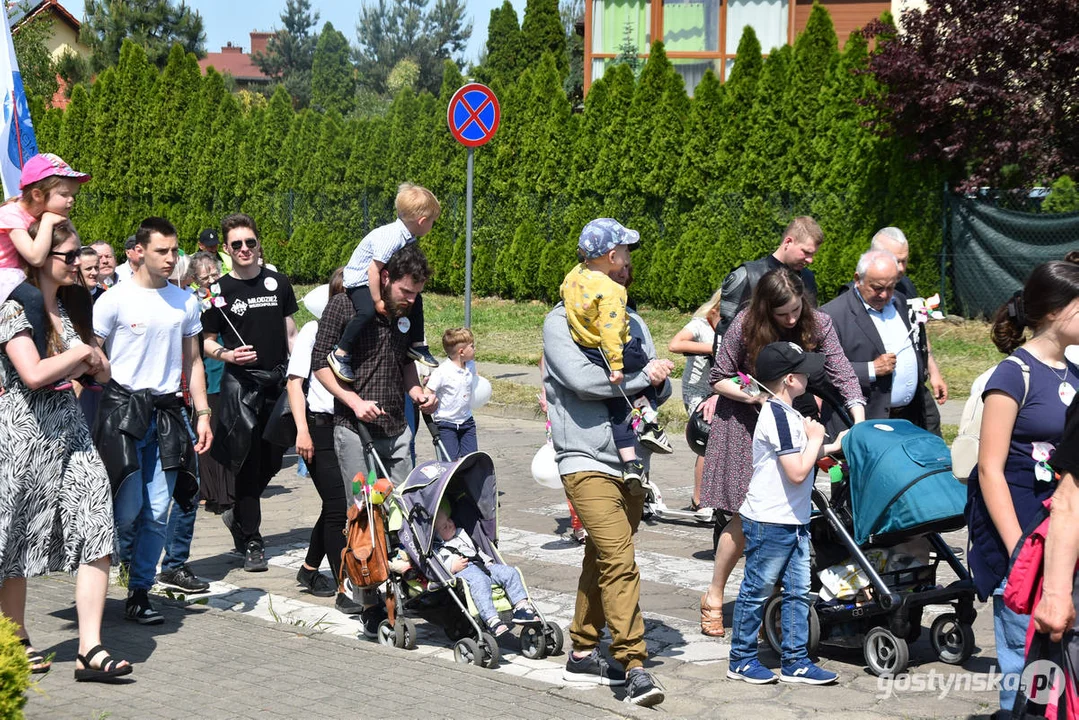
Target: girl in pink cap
column 49, row 186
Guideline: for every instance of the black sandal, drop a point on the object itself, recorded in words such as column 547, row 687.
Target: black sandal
column 107, row 669
column 39, row 664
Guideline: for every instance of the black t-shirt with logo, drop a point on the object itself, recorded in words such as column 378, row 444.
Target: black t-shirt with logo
column 257, row 309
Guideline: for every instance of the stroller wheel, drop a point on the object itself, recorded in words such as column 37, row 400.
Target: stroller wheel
column 952, row 641
column 404, row 633
column 533, row 642
column 386, row 634
column 489, row 652
column 467, row 651
column 885, row 654
column 773, row 626
column 554, row 638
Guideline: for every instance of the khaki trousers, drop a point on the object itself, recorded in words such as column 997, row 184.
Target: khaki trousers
column 609, row 590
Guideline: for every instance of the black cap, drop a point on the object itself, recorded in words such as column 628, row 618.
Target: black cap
column 779, row 358
column 208, row 237
column 130, row 243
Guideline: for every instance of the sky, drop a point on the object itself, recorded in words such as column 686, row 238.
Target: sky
column 233, row 20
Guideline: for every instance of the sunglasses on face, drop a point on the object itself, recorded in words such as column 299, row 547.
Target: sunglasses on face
column 70, row 257
column 250, row 242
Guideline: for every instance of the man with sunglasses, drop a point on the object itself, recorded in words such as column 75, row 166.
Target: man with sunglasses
column 249, row 326
column 150, row 330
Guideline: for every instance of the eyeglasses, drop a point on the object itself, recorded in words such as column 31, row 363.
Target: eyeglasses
column 250, row 242
column 70, row 257
column 207, row 279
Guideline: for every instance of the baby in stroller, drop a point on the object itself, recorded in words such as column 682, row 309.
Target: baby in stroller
column 480, row 571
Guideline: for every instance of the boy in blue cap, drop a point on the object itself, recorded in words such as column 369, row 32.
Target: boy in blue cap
column 596, row 313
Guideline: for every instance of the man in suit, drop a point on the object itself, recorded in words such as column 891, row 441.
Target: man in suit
column 874, row 329
column 893, row 240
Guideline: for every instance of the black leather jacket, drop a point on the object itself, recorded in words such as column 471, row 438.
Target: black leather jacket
column 123, row 419
column 246, row 398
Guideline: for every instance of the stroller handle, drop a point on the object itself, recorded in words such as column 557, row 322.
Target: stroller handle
column 831, row 397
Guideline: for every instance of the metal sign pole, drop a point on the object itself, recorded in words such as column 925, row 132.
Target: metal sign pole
column 468, row 241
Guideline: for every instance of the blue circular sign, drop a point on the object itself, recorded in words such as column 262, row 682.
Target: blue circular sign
column 473, row 115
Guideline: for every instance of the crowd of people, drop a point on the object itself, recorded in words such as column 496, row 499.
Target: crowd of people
column 133, row 394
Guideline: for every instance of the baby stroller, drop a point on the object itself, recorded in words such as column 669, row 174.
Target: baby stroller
column 427, row 588
column 896, row 490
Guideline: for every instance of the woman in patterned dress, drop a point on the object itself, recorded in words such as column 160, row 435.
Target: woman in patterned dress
column 55, row 498
column 777, row 312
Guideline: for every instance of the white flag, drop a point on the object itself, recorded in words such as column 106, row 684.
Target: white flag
column 17, row 142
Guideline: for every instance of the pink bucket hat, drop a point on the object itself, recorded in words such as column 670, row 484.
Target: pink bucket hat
column 46, row 165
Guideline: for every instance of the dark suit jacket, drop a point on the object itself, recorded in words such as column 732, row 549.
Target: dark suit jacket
column 862, row 344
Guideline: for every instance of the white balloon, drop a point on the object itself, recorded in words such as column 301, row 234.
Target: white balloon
column 545, row 469
column 315, row 301
column 481, row 392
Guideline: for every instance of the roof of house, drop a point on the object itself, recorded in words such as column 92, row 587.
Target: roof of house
column 18, row 13
column 233, row 60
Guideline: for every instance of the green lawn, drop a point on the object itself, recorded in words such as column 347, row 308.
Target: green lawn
column 510, row 332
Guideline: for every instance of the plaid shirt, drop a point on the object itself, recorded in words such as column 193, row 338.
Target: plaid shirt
column 378, row 359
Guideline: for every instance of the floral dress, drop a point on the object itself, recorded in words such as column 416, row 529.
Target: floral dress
column 728, row 460
column 55, row 498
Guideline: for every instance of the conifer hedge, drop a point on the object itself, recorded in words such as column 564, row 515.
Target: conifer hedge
column 709, row 181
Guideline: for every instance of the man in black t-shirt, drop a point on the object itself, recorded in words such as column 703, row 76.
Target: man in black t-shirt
column 249, row 326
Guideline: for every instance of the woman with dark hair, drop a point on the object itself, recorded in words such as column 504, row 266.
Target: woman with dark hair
column 55, row 499
column 313, row 412
column 1026, row 401
column 778, row 311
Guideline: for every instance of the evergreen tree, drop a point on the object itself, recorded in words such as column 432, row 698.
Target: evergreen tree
column 504, row 41
column 333, row 83
column 815, row 55
column 290, row 51
column 769, row 138
column 628, row 52
column 155, row 25
column 655, row 127
column 542, row 32
column 741, row 92
column 700, row 171
column 176, row 90
column 1063, row 196
column 610, row 177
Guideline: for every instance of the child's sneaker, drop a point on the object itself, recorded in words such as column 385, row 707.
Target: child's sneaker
column 422, row 354
column 632, row 473
column 61, row 385
column 752, row 672
column 525, row 616
column 593, row 668
column 341, row 364
column 804, row 671
column 497, row 627
column 653, row 438
column 580, row 535
column 642, row 689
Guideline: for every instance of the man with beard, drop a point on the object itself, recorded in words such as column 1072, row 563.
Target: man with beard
column 384, row 374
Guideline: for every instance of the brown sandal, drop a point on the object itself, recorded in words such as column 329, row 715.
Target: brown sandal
column 711, row 620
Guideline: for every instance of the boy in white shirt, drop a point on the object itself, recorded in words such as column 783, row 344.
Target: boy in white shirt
column 452, row 382
column 775, row 516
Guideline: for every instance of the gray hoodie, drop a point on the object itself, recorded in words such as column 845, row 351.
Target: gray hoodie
column 576, row 389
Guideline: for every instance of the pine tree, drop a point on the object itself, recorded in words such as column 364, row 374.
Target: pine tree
column 333, row 82
column 504, row 46
column 542, row 32
column 291, row 50
column 154, row 25
column 815, row 55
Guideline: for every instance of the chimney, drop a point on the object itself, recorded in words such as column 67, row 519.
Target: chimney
column 259, row 41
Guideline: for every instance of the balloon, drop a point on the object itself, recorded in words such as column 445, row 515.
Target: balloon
column 545, row 469
column 481, row 392
column 315, row 301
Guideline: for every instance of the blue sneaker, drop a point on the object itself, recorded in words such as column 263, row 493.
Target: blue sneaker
column 804, row 671
column 752, row 672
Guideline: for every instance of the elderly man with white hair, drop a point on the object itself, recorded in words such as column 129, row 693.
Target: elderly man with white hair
column 875, row 333
column 893, row 240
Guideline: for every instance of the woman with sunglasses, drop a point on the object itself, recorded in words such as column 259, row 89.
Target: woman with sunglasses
column 1026, row 400
column 55, row 499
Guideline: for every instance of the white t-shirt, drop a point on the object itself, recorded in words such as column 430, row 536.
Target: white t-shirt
column 453, row 385
column 143, row 330
column 695, row 386
column 123, row 272
column 319, row 399
column 772, row 498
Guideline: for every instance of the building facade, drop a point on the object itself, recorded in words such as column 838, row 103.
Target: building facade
column 702, row 34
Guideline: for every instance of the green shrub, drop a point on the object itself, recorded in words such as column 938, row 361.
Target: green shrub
column 14, row 672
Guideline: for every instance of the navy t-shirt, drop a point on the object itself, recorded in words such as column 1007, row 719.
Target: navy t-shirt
column 1039, row 428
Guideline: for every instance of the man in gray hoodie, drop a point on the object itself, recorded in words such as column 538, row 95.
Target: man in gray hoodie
column 608, row 592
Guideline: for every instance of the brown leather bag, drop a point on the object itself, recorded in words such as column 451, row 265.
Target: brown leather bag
column 364, row 561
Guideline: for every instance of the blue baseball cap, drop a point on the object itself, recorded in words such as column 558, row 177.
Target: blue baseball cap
column 601, row 236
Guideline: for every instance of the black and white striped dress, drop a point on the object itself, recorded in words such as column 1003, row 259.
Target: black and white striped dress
column 55, row 498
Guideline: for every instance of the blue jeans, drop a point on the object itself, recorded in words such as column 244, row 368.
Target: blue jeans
column 141, row 509
column 480, row 583
column 180, row 530
column 1010, row 634
column 773, row 553
column 458, row 439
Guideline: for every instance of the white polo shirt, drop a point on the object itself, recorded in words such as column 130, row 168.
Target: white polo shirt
column 453, row 385
column 772, row 497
